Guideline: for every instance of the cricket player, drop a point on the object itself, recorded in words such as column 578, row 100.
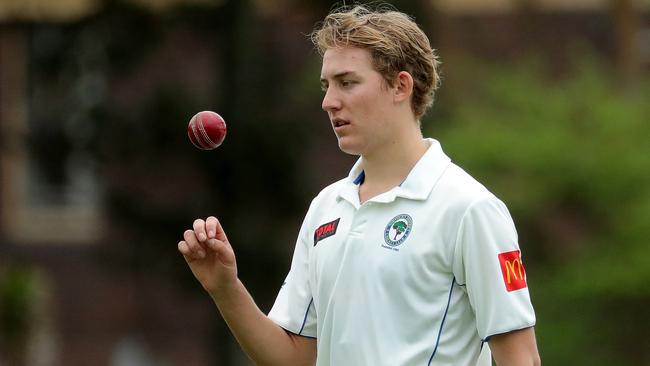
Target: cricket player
column 406, row 261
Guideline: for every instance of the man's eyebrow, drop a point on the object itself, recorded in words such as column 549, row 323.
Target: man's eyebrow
column 337, row 76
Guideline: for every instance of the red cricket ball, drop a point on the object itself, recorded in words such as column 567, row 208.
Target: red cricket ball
column 206, row 130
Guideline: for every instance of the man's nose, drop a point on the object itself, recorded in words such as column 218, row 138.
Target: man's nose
column 331, row 102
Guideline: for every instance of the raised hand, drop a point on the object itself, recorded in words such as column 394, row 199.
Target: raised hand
column 210, row 256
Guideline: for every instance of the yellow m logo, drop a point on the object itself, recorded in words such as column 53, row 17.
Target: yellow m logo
column 518, row 274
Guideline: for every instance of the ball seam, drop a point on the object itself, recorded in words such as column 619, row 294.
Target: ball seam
column 205, row 133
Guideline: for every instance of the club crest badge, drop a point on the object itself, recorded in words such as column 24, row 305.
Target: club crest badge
column 397, row 230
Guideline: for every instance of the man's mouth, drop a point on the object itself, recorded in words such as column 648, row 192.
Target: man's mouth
column 337, row 122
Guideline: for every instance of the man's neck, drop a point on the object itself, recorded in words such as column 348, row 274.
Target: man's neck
column 390, row 165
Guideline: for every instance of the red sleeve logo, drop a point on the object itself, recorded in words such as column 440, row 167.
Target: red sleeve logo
column 513, row 271
column 326, row 230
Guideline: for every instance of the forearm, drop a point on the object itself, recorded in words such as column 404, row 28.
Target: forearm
column 262, row 340
column 518, row 360
column 518, row 348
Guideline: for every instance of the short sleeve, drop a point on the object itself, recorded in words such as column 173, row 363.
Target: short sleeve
column 488, row 262
column 294, row 308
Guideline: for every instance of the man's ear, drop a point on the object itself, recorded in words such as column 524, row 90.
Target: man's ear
column 403, row 86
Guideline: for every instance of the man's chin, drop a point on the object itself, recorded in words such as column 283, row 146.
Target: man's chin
column 348, row 147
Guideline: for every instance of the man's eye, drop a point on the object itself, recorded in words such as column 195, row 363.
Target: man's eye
column 346, row 83
column 323, row 87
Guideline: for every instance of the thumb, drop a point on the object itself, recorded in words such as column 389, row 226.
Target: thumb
column 223, row 251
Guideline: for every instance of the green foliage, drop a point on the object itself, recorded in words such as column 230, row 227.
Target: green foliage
column 570, row 157
column 399, row 226
column 16, row 296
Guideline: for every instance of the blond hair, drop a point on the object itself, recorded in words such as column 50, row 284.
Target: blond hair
column 395, row 42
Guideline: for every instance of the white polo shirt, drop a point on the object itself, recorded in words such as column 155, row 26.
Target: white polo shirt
column 420, row 275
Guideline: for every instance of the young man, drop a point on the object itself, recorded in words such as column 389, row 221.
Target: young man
column 408, row 260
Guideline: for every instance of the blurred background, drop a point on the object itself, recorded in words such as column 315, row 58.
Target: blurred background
column 547, row 102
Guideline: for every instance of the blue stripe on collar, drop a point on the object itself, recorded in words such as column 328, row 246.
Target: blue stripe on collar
column 360, row 178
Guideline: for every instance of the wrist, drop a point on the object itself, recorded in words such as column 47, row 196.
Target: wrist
column 225, row 290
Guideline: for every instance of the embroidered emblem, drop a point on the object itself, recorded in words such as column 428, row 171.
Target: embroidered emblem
column 398, row 229
column 513, row 271
column 326, row 230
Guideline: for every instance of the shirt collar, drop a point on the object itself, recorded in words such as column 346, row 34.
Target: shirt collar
column 417, row 185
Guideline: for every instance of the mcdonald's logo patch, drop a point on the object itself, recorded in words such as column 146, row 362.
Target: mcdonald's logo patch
column 326, row 230
column 513, row 271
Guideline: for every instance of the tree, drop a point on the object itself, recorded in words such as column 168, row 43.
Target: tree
column 626, row 23
column 400, row 227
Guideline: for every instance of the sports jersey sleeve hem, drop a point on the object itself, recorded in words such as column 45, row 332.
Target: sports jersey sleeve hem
column 289, row 329
column 298, row 334
column 487, row 339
